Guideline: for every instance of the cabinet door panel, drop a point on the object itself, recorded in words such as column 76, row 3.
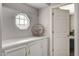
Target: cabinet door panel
column 35, row 49
column 18, row 52
column 45, row 47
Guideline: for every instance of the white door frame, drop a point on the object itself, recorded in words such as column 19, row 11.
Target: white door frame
column 0, row 29
column 76, row 22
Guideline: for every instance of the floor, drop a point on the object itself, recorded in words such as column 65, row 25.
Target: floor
column 71, row 52
column 71, row 47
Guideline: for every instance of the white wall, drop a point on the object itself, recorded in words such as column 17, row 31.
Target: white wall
column 76, row 21
column 10, row 31
column 45, row 20
column 0, row 28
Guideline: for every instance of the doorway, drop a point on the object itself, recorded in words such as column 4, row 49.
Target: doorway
column 63, row 30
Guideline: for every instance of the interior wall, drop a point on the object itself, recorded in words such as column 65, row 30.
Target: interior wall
column 45, row 20
column 10, row 31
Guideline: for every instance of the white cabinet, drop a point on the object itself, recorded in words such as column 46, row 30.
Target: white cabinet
column 38, row 48
column 33, row 48
column 16, row 51
column 45, row 47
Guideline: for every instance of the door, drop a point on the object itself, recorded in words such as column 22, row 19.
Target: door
column 35, row 48
column 61, row 32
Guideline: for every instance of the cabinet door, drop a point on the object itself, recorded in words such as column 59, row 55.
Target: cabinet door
column 45, row 47
column 17, row 52
column 35, row 48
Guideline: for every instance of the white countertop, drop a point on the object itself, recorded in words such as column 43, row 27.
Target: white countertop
column 12, row 42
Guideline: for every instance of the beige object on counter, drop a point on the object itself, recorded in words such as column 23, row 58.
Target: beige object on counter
column 38, row 30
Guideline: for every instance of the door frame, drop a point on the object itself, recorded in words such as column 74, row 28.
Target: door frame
column 0, row 29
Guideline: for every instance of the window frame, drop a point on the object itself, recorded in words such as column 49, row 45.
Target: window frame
column 21, row 26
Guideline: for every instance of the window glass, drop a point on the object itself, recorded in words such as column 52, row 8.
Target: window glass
column 22, row 21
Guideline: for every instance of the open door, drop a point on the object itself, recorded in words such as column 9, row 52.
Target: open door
column 61, row 32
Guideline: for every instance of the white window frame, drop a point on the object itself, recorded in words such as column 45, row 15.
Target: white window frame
column 22, row 23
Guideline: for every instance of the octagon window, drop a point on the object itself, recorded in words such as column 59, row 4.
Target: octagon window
column 22, row 21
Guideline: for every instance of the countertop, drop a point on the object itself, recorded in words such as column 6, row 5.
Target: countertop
column 13, row 42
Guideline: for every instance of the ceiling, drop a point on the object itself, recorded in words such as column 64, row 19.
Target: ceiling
column 42, row 5
column 38, row 5
column 69, row 7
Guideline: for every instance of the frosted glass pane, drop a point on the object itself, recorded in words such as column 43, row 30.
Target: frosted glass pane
column 25, row 17
column 26, row 22
column 22, row 22
column 17, row 16
column 22, row 16
column 17, row 21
